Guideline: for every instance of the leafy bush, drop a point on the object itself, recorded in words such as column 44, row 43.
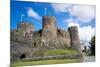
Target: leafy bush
column 92, row 43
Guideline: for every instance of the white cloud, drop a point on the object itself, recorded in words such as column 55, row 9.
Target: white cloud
column 71, row 22
column 84, row 13
column 85, row 33
column 33, row 14
column 61, row 7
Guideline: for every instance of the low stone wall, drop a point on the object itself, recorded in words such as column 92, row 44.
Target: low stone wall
column 53, row 57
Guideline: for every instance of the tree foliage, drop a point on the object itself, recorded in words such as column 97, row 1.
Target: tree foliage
column 92, row 43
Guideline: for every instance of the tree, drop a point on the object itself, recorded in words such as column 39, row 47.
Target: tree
column 92, row 43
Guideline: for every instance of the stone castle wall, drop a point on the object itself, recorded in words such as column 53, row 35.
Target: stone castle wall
column 49, row 37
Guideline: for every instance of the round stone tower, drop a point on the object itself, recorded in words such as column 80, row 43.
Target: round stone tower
column 74, row 38
column 52, row 26
column 49, row 30
column 26, row 31
column 49, row 24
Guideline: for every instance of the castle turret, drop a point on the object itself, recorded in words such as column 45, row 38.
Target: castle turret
column 26, row 31
column 74, row 38
column 52, row 26
column 49, row 30
column 49, row 25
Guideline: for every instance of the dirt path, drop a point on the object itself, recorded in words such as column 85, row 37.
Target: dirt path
column 88, row 59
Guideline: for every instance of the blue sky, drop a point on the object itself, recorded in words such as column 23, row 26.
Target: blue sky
column 66, row 15
column 18, row 8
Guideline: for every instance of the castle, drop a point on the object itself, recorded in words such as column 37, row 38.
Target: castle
column 25, row 40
